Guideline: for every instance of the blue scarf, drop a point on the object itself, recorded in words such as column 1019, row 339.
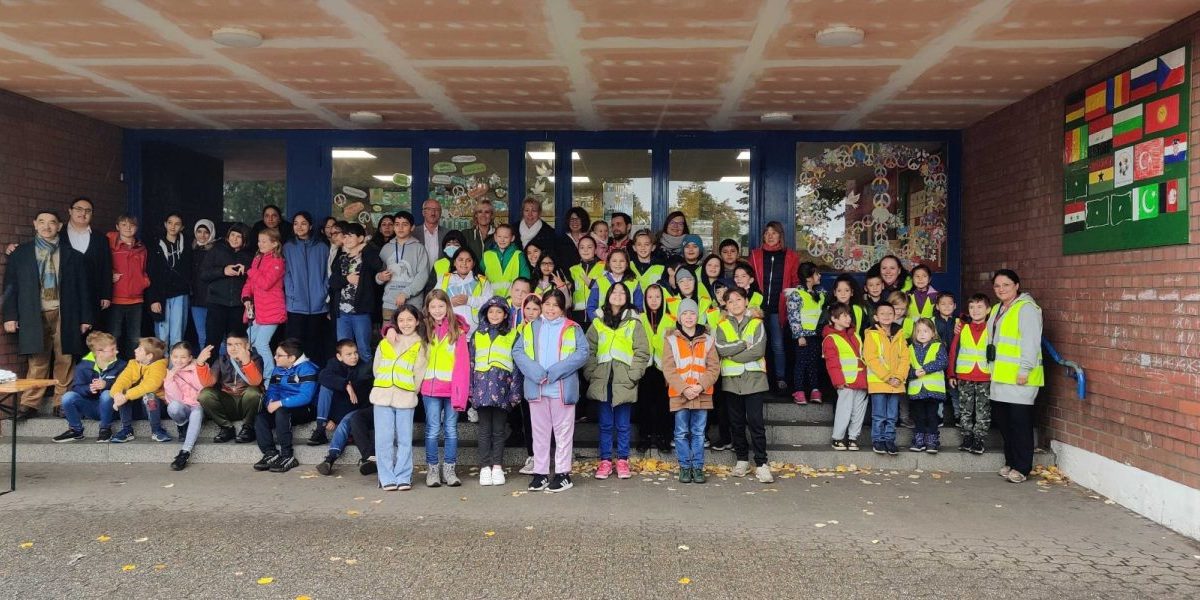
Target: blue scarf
column 44, row 252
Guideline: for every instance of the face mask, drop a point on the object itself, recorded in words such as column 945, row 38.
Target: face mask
column 450, row 250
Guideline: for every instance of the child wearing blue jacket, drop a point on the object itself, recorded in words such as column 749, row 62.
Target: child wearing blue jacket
column 94, row 376
column 289, row 401
column 926, row 385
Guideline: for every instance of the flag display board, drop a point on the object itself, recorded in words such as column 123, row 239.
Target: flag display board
column 1125, row 167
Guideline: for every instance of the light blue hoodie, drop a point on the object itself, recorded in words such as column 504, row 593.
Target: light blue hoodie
column 562, row 382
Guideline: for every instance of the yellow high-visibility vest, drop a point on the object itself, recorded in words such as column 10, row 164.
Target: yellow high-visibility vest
column 731, row 368
column 566, row 342
column 476, row 292
column 652, row 275
column 441, row 359
column 1008, row 349
column 810, row 308
column 501, row 276
column 849, row 360
column 603, row 285
column 494, row 353
column 614, row 344
column 930, row 382
column 925, row 312
column 972, row 353
column 655, row 337
column 581, row 288
column 395, row 369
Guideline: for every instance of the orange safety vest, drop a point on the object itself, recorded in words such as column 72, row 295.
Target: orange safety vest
column 690, row 361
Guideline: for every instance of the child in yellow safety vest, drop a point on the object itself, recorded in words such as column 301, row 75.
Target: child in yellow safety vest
column 899, row 301
column 926, row 385
column 691, row 367
column 495, row 385
column 504, row 262
column 843, row 361
column 617, row 270
column 971, row 376
column 804, row 305
column 620, row 356
column 885, row 354
column 467, row 289
column 445, row 387
column 742, row 344
column 589, row 269
column 652, row 412
column 399, row 365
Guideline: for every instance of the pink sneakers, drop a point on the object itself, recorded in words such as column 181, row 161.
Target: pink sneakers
column 623, row 469
column 798, row 397
column 815, row 397
column 605, row 469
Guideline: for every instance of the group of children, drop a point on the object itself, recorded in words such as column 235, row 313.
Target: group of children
column 631, row 331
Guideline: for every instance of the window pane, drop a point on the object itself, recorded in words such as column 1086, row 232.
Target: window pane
column 458, row 178
column 856, row 203
column 371, row 182
column 539, row 176
column 608, row 181
column 712, row 188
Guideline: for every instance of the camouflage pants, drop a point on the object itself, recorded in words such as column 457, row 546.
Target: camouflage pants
column 974, row 408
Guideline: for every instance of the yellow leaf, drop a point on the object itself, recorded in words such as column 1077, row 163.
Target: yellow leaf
column 26, row 545
column 352, row 561
column 302, row 597
column 489, row 533
column 103, row 538
column 128, row 568
column 684, row 580
column 159, row 567
column 684, row 548
column 266, row 580
column 353, row 513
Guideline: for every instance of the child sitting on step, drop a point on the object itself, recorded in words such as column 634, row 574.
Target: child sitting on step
column 182, row 388
column 138, row 391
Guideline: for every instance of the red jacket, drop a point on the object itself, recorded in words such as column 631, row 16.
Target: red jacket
column 976, row 329
column 791, row 277
column 833, row 362
column 130, row 262
column 264, row 287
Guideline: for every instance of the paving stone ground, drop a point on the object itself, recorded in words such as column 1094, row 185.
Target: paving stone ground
column 213, row 531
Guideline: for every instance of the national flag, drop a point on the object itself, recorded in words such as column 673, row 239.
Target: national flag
column 1095, row 102
column 1074, row 110
column 1169, row 195
column 1170, row 69
column 1074, row 150
column 1100, row 175
column 1097, row 213
column 1127, row 126
column 1162, row 114
column 1175, row 149
column 1120, row 89
column 1123, row 167
column 1075, row 183
column 1148, row 159
column 1100, row 134
column 1145, row 202
column 1075, row 217
column 1143, row 80
column 1121, row 208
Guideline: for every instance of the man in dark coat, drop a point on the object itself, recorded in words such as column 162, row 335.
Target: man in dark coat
column 80, row 235
column 46, row 301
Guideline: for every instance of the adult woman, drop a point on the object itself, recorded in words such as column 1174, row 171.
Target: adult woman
column 670, row 239
column 1014, row 331
column 224, row 274
column 262, row 295
column 170, row 271
column 776, row 268
column 578, row 224
column 895, row 277
column 306, row 287
column 272, row 218
column 203, row 236
column 384, row 232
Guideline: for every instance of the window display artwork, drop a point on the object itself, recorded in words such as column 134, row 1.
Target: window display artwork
column 459, row 178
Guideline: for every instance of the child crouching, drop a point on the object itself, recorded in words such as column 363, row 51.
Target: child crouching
column 182, row 387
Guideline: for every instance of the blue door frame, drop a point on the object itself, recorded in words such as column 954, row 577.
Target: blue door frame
column 772, row 165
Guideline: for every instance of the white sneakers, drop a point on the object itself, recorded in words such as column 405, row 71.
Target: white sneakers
column 491, row 476
column 528, row 468
column 498, row 476
column 763, row 473
column 472, row 415
column 741, row 468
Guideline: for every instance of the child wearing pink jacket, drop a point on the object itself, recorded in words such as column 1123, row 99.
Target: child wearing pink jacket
column 182, row 390
column 446, row 387
column 262, row 295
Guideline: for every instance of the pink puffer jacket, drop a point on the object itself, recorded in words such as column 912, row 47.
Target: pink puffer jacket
column 264, row 287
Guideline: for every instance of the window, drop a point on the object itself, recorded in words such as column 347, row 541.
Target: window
column 608, row 181
column 458, row 178
column 539, row 176
column 371, row 182
column 712, row 188
column 858, row 202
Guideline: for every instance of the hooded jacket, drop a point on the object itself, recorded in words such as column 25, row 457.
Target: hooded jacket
column 712, row 368
column 560, row 375
column 295, row 386
column 183, row 385
column 409, row 264
column 137, row 380
column 833, row 360
column 224, row 377
column 306, row 279
column 885, row 353
column 458, row 388
column 336, row 375
column 223, row 290
column 615, row 381
column 87, row 371
column 129, row 260
column 394, row 397
column 264, row 287
column 494, row 387
column 170, row 269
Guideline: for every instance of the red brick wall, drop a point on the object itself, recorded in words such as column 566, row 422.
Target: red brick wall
column 47, row 157
column 1131, row 319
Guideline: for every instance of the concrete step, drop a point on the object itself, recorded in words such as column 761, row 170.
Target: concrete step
column 778, row 431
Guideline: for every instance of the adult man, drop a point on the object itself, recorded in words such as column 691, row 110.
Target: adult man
column 479, row 235
column 233, row 387
column 619, row 226
column 532, row 228
column 45, row 303
column 94, row 247
column 407, row 267
column 432, row 232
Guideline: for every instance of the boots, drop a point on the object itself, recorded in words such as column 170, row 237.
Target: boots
column 449, row 476
column 918, row 443
column 933, row 442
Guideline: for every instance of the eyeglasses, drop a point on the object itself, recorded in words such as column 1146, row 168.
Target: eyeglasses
column 679, row 222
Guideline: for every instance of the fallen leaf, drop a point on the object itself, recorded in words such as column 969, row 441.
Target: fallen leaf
column 103, row 538
column 159, row 567
column 999, row 506
column 380, row 501
column 26, row 545
column 684, row 580
column 334, row 558
column 529, row 528
column 351, row 561
column 874, row 541
column 489, row 533
column 914, row 476
column 359, row 498
column 75, row 559
column 266, row 580
column 818, row 524
column 128, row 568
column 309, row 476
column 463, row 499
column 684, row 548
column 142, row 539
column 935, row 475
column 303, row 597
column 1110, row 501
column 832, row 522
column 353, row 513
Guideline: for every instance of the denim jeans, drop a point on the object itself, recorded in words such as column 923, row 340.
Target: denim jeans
column 260, row 340
column 776, row 338
column 358, row 328
column 341, row 435
column 174, row 322
column 77, row 407
column 149, row 407
column 885, row 408
column 393, row 444
column 324, row 403
column 185, row 415
column 690, row 450
column 618, row 417
column 439, row 417
column 200, row 321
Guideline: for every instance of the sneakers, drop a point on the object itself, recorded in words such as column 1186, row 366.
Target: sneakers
column 122, row 436
column 472, row 415
column 246, row 435
column 815, row 397
column 967, row 442
column 561, row 483
column 485, row 476
column 498, row 476
column 623, row 469
column 879, row 447
column 224, row 434
column 432, row 478
column 181, row 461
column 763, row 473
column 69, row 435
column 391, row 487
column 160, row 436
column 698, row 475
column 977, row 448
column 799, row 398
column 740, row 468
column 604, row 470
column 722, row 446
column 104, row 437
column 367, row 467
column 283, row 465
column 933, row 443
column 1005, row 470
column 892, row 450
column 265, row 462
column 528, row 468
column 538, row 483
column 318, row 437
column 1015, row 476
column 449, row 476
column 685, row 475
column 918, row 443
column 403, row 487
column 838, row 445
column 852, row 445
column 326, row 466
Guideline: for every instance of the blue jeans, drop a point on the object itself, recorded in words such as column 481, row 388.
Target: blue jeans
column 77, row 407
column 260, row 340
column 617, row 416
column 885, row 408
column 149, row 407
column 174, row 322
column 200, row 320
column 439, row 417
column 341, row 435
column 185, row 415
column 690, row 451
column 393, row 444
column 358, row 328
column 776, row 337
column 324, row 403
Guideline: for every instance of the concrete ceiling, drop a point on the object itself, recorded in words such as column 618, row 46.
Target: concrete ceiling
column 556, row 64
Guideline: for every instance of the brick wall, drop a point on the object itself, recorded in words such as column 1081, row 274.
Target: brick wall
column 47, row 157
column 1131, row 319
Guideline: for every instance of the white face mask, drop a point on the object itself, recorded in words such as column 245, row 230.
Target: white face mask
column 450, row 250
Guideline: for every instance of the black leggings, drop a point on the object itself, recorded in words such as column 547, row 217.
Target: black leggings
column 223, row 320
column 1015, row 422
column 653, row 408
